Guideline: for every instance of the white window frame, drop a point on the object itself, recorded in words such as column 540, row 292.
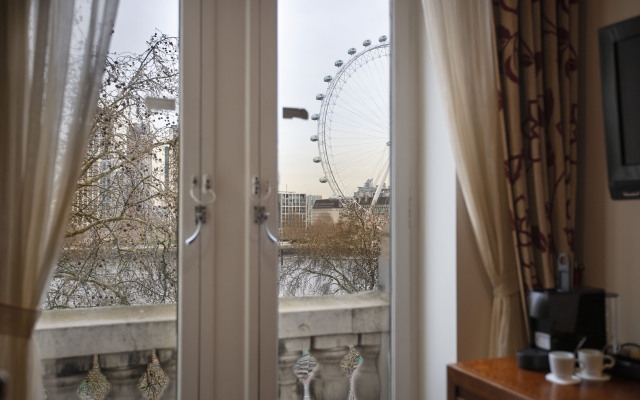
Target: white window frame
column 227, row 346
column 227, row 319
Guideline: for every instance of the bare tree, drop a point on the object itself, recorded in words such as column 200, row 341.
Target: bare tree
column 120, row 245
column 337, row 258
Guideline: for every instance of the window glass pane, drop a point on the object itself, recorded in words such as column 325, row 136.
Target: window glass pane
column 109, row 318
column 334, row 191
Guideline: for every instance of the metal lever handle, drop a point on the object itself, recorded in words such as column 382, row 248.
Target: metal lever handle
column 270, row 236
column 201, row 218
column 260, row 218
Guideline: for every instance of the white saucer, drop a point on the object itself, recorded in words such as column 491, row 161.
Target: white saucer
column 601, row 378
column 552, row 378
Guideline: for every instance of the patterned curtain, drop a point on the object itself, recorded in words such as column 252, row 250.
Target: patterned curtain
column 537, row 43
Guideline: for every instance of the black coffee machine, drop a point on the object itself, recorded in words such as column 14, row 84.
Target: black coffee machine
column 563, row 319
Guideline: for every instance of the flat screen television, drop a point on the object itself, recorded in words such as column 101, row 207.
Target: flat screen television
column 620, row 75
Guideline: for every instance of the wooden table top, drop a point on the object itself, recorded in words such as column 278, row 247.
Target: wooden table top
column 503, row 376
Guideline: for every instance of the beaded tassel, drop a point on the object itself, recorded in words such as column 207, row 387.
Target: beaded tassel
column 349, row 364
column 95, row 385
column 303, row 369
column 154, row 381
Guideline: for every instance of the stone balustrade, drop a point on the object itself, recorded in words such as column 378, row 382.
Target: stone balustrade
column 125, row 339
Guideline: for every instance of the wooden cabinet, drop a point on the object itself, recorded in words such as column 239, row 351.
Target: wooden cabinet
column 501, row 379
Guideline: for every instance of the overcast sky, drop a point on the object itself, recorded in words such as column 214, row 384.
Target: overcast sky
column 312, row 34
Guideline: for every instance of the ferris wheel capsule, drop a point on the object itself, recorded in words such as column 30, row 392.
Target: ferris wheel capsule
column 382, row 39
column 328, row 78
column 317, row 159
column 323, row 179
column 314, row 138
column 338, row 63
column 315, row 117
column 366, row 43
column 319, row 96
column 352, row 51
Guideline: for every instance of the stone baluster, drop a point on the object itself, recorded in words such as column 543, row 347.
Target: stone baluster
column 123, row 371
column 61, row 377
column 290, row 351
column 329, row 380
column 366, row 379
column 168, row 361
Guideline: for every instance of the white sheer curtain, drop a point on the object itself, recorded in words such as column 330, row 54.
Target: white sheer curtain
column 53, row 54
column 461, row 38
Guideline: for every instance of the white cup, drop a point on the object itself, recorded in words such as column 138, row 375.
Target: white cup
column 592, row 362
column 563, row 364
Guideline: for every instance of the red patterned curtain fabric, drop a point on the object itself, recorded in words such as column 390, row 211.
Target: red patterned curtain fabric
column 537, row 43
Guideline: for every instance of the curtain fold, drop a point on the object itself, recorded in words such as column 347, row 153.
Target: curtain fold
column 53, row 54
column 460, row 37
column 538, row 82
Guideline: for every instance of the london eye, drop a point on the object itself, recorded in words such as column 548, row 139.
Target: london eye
column 353, row 133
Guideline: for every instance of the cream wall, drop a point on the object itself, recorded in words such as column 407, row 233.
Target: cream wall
column 608, row 239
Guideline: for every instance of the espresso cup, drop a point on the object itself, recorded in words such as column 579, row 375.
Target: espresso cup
column 563, row 364
column 592, row 362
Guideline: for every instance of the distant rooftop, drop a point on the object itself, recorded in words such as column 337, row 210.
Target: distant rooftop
column 326, row 204
column 381, row 201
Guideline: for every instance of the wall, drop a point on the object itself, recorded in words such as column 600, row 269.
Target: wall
column 608, row 238
column 437, row 232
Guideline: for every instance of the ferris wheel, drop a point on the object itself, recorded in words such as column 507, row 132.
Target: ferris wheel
column 353, row 133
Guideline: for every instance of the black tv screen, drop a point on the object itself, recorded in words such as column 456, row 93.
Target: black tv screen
column 620, row 74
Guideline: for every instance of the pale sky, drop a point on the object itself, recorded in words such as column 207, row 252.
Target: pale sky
column 137, row 21
column 312, row 35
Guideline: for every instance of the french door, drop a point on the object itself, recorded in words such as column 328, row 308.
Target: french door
column 227, row 308
column 227, row 318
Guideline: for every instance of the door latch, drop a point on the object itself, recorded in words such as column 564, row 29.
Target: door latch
column 260, row 216
column 201, row 218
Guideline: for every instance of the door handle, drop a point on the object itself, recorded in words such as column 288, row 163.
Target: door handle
column 201, row 218
column 270, row 235
column 260, row 217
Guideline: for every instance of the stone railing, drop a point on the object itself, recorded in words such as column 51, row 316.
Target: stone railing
column 125, row 339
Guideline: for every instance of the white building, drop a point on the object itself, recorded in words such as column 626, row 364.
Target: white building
column 311, row 200
column 292, row 211
column 326, row 210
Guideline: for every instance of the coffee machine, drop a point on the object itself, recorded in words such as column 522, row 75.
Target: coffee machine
column 560, row 320
column 565, row 318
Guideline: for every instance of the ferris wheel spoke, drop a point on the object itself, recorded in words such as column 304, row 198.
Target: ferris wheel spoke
column 370, row 104
column 354, row 118
column 369, row 75
column 361, row 111
column 373, row 133
column 361, row 83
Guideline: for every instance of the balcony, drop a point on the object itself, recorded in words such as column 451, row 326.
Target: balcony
column 125, row 338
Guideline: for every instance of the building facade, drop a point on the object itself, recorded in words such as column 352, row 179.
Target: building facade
column 326, row 210
column 292, row 212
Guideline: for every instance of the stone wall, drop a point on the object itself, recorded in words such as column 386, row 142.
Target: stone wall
column 123, row 341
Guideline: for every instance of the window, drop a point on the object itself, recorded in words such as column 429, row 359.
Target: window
column 120, row 247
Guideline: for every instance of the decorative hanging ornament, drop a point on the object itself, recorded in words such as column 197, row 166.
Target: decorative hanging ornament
column 95, row 385
column 303, row 369
column 351, row 361
column 154, row 381
column 349, row 364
